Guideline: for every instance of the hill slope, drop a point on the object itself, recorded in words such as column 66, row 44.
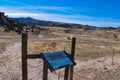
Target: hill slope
column 9, row 24
column 31, row 21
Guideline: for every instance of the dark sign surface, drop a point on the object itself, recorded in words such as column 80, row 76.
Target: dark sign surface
column 58, row 60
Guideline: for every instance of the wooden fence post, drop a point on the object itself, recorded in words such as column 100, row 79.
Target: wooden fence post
column 24, row 56
column 113, row 56
column 72, row 56
column 45, row 70
column 59, row 75
column 66, row 75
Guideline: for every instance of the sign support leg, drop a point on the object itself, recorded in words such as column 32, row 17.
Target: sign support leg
column 45, row 70
column 66, row 75
column 24, row 56
column 72, row 56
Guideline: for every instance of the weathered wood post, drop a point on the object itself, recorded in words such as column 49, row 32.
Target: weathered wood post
column 72, row 56
column 113, row 56
column 24, row 56
column 59, row 75
column 45, row 70
column 66, row 75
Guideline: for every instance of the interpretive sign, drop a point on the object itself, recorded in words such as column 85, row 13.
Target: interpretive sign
column 57, row 60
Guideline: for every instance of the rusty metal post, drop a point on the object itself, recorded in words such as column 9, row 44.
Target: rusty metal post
column 24, row 56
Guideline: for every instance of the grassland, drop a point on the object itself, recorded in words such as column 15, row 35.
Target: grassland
column 93, row 47
column 91, row 44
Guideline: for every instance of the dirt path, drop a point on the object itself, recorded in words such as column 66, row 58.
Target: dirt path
column 10, row 65
column 10, row 62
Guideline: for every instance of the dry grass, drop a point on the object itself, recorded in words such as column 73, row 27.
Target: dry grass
column 90, row 45
column 91, row 51
column 78, row 78
column 4, row 44
column 46, row 46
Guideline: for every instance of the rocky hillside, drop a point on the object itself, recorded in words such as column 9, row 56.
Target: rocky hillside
column 9, row 24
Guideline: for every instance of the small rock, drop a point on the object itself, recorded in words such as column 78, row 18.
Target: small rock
column 105, row 68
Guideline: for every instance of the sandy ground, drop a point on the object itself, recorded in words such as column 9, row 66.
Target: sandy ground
column 99, row 69
column 95, row 69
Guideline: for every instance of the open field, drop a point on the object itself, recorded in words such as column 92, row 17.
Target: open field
column 94, row 50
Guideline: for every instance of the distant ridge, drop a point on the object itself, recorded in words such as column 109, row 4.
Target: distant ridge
column 19, row 24
column 31, row 21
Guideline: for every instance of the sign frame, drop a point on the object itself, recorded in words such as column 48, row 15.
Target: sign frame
column 59, row 67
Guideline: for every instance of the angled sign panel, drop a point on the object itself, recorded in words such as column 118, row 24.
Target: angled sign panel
column 57, row 60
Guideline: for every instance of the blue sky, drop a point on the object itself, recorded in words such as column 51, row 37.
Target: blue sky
column 89, row 12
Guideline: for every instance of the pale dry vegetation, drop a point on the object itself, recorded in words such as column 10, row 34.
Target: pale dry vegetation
column 94, row 49
column 90, row 44
column 45, row 46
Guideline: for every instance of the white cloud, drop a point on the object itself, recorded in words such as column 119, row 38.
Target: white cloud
column 16, row 14
column 28, row 6
column 15, row 2
column 65, row 18
column 49, row 8
column 76, row 18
